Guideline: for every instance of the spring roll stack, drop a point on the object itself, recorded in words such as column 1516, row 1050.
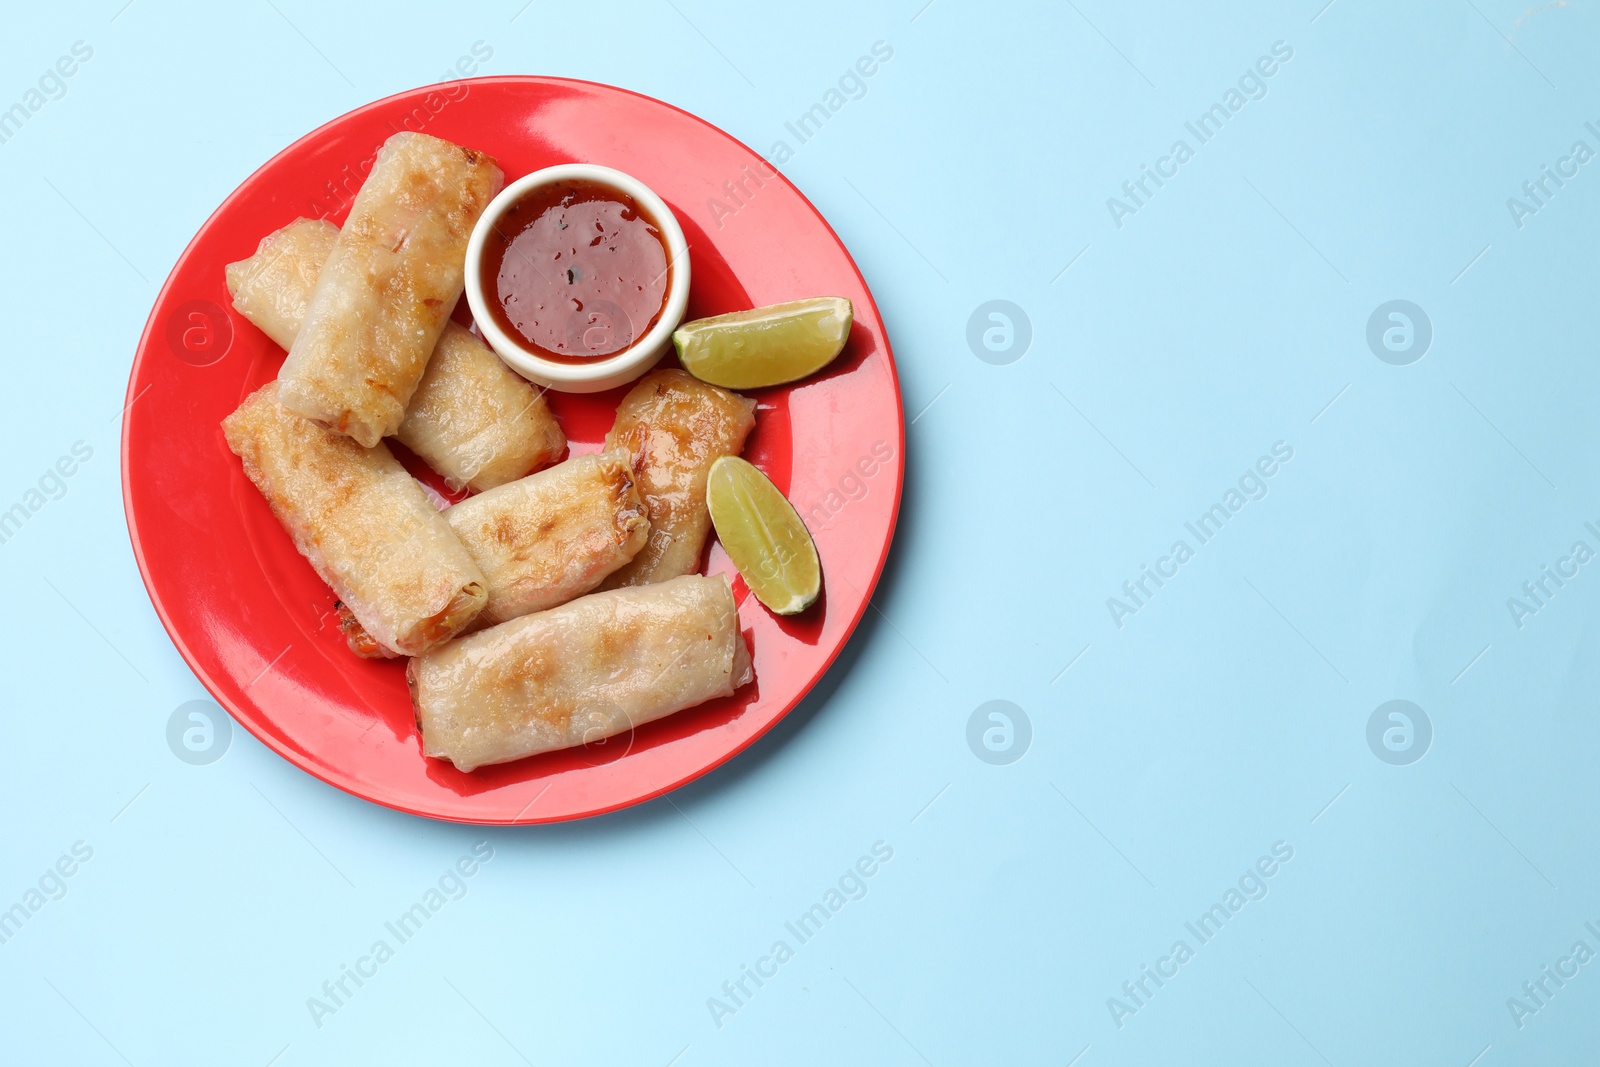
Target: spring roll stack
column 515, row 652
column 395, row 273
column 472, row 418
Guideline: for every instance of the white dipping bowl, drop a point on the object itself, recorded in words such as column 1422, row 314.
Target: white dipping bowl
column 590, row 375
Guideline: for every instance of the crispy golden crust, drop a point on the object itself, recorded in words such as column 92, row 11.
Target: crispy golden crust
column 364, row 524
column 387, row 287
column 472, row 418
column 575, row 674
column 674, row 427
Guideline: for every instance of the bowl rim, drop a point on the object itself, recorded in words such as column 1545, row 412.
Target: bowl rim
column 613, row 370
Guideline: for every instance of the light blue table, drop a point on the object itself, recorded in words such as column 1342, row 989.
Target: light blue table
column 1195, row 832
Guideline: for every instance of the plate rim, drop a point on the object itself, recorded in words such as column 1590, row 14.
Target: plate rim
column 149, row 334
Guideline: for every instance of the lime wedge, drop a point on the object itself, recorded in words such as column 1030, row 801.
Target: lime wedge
column 763, row 536
column 767, row 346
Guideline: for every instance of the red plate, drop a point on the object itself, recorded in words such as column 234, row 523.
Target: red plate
column 254, row 621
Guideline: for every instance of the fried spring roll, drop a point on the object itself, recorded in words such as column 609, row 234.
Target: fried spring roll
column 472, row 418
column 585, row 671
column 552, row 536
column 272, row 287
column 386, row 289
column 475, row 420
column 364, row 524
column 544, row 539
column 674, row 426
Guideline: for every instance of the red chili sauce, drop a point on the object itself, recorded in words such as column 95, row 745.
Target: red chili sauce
column 577, row 271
